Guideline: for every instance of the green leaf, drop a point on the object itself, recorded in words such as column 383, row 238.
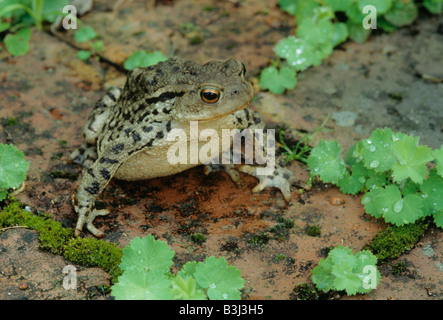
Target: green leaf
column 188, row 269
column 432, row 191
column 411, row 158
column 364, row 260
column 4, row 26
column 322, row 275
column 438, row 219
column 354, row 13
column 438, row 154
column 376, row 150
column 97, row 45
column 18, row 44
column 340, row 33
column 345, row 279
column 277, row 81
column 389, row 203
column 143, row 59
column 83, row 54
column 289, row 6
column 382, row 6
column 385, row 25
column 186, row 289
column 85, row 34
column 13, row 167
column 136, row 284
column 405, row 210
column 222, row 281
column 338, row 5
column 52, row 8
column 325, row 161
column 3, row 194
column 402, row 13
column 353, row 184
column 357, row 33
column 342, row 270
column 342, row 255
column 380, row 201
column 306, row 10
column 433, row 6
column 319, row 35
column 147, row 254
column 297, row 52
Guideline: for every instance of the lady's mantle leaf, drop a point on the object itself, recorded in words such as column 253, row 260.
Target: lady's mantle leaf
column 223, row 281
column 147, row 254
column 13, row 167
column 277, row 81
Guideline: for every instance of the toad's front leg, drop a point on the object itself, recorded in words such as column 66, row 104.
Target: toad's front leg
column 98, row 175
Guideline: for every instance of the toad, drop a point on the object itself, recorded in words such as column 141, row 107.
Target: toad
column 125, row 136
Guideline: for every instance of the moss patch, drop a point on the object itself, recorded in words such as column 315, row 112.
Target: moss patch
column 56, row 239
column 392, row 242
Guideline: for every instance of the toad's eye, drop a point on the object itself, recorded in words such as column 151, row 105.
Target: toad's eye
column 210, row 95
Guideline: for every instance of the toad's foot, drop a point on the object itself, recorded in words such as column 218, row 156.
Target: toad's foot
column 85, row 218
column 230, row 169
column 281, row 178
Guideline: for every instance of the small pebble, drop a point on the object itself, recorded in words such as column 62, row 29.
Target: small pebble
column 336, row 201
column 23, row 286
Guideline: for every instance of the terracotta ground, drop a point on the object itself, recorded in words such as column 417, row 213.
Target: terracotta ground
column 51, row 93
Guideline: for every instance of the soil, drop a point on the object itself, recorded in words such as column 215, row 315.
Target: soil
column 383, row 82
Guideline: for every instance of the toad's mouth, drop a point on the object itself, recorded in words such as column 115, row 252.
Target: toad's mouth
column 225, row 114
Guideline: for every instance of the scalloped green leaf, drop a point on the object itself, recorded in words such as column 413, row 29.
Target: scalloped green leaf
column 277, row 81
column 325, row 162
column 382, row 6
column 402, row 13
column 376, row 150
column 223, row 282
column 297, row 52
column 147, row 254
column 186, row 289
column 411, row 159
column 135, row 284
column 438, row 154
column 140, row 59
column 13, row 167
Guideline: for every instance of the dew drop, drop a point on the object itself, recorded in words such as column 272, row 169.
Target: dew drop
column 372, row 148
column 374, row 164
column 398, row 206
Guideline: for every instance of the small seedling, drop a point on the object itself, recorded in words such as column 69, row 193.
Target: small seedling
column 146, row 264
column 342, row 270
column 142, row 59
column 391, row 169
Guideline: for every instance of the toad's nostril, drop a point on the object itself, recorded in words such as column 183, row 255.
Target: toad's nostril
column 235, row 92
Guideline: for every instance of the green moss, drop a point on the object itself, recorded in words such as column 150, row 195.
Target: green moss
column 56, row 239
column 11, row 121
column 313, row 231
column 198, row 238
column 305, row 291
column 399, row 268
column 280, row 257
column 393, row 241
column 260, row 239
column 93, row 252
